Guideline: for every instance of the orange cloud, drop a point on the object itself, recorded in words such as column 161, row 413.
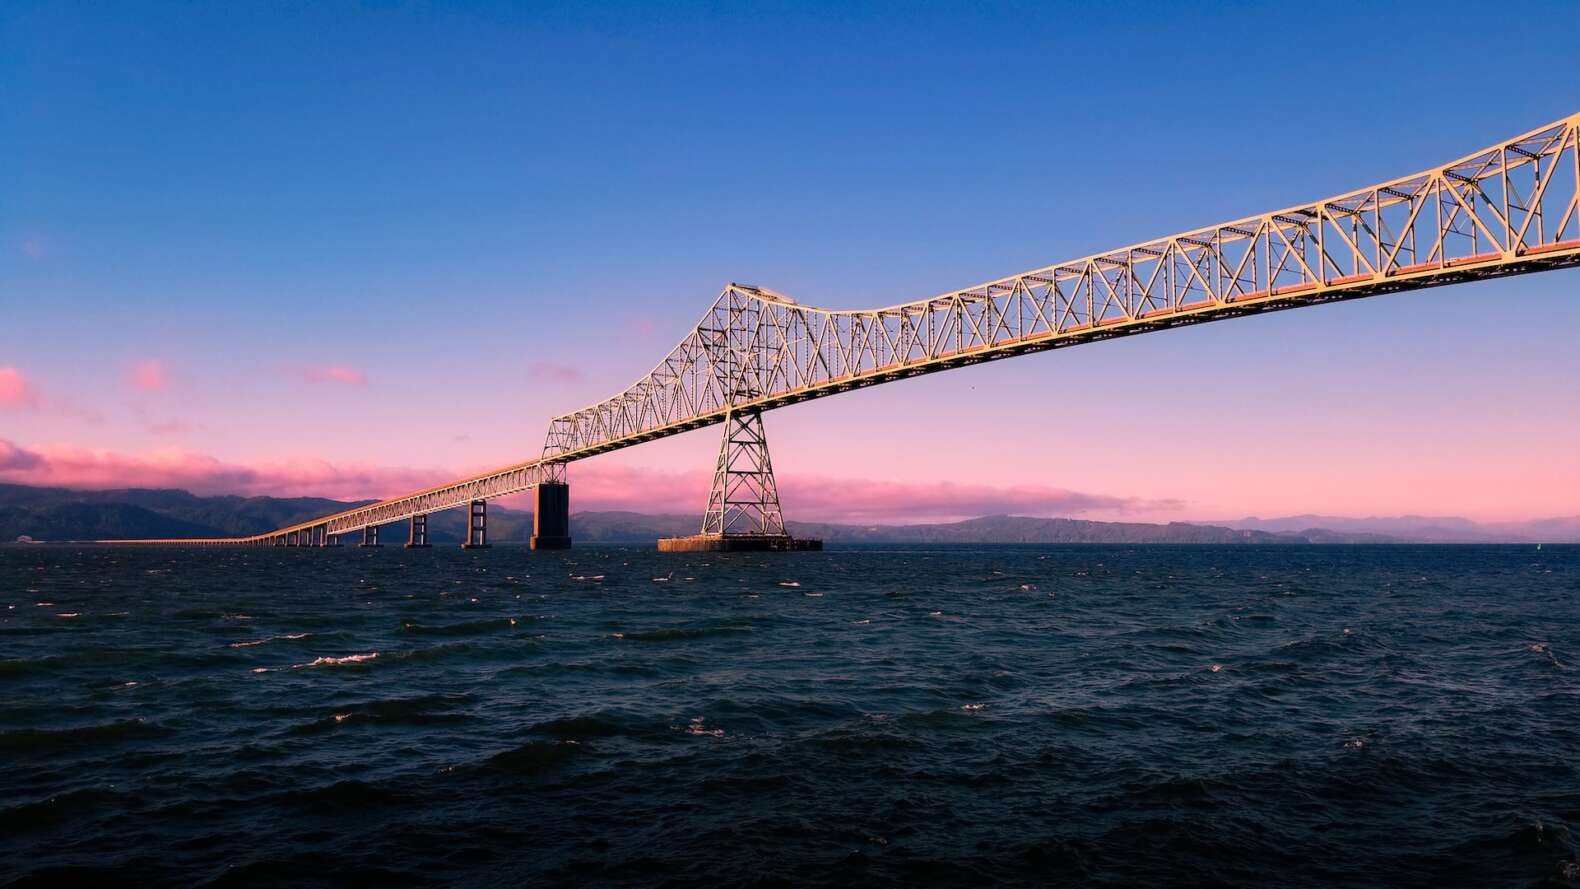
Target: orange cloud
column 336, row 373
column 149, row 375
column 16, row 393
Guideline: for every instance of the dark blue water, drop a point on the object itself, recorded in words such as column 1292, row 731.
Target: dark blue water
column 1113, row 716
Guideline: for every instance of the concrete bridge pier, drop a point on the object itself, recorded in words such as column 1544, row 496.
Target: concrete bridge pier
column 370, row 536
column 551, row 516
column 418, row 538
column 477, row 526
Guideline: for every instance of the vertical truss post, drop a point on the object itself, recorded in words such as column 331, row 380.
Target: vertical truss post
column 370, row 535
column 476, row 526
column 418, row 536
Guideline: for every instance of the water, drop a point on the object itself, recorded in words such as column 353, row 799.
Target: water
column 1112, row 716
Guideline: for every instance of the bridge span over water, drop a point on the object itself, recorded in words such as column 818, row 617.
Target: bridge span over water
column 1510, row 209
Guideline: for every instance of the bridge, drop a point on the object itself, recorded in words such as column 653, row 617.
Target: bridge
column 1510, row 209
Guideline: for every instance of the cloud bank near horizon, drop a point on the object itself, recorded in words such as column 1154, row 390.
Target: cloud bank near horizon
column 808, row 498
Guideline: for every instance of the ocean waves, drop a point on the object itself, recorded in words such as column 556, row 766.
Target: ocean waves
column 1109, row 716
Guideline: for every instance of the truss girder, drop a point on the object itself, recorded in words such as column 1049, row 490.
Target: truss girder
column 1509, row 209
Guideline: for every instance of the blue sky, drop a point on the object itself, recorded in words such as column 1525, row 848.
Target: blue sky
column 495, row 214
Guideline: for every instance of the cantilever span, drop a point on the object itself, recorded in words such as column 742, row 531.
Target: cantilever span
column 1513, row 208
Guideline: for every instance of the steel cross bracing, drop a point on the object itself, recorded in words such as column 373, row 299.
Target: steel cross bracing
column 1509, row 209
column 744, row 498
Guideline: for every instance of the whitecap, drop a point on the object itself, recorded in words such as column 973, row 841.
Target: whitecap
column 69, row 614
column 337, row 661
column 973, row 708
column 1216, row 668
column 698, row 727
column 790, row 583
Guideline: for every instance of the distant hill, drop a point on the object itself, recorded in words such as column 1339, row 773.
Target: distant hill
column 62, row 514
column 1427, row 529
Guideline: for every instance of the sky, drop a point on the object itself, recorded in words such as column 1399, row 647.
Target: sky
column 351, row 249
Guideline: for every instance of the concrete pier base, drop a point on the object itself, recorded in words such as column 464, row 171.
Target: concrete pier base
column 551, row 516
column 418, row 537
column 477, row 526
column 737, row 543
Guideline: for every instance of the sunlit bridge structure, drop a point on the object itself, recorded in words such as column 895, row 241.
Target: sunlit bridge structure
column 1510, row 209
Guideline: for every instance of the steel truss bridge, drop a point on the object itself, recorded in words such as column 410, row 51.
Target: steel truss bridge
column 1510, row 209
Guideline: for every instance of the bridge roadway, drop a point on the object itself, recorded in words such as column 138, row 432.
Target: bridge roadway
column 1510, row 209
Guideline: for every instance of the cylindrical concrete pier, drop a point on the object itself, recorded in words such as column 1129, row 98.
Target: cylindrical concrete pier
column 551, row 516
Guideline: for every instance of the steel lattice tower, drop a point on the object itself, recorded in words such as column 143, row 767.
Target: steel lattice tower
column 744, row 499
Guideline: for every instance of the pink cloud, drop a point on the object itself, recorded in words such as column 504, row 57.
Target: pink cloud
column 149, row 375
column 829, row 499
column 550, row 372
column 592, row 487
column 863, row 500
column 336, row 373
column 70, row 466
column 16, row 393
column 642, row 327
column 169, row 427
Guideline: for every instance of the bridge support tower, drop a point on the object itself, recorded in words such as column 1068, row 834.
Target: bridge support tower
column 743, row 506
column 551, row 516
column 370, row 536
column 418, row 537
column 476, row 526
